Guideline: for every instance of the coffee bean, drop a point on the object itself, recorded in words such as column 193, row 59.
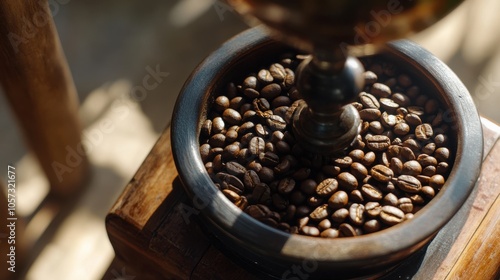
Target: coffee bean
column 338, row 200
column 388, row 120
column 406, row 153
column 391, row 215
column 409, row 184
column 381, row 173
column 356, row 196
column 269, row 159
column 250, row 82
column 369, row 159
column 320, row 213
column 396, row 165
column 442, row 167
column 371, row 226
column 401, row 99
column 390, row 199
column 441, row 140
column 429, row 148
column 343, row 162
column 413, row 119
column 405, row 204
column 401, row 129
column 356, row 213
column 266, row 174
column 327, row 187
column 289, row 78
column 347, row 230
column 302, row 211
column 376, row 127
column 250, row 179
column 330, row 233
column 411, row 167
column 286, row 185
column 371, row 192
column 377, row 143
column 417, row 110
column 235, row 169
column 281, row 103
column 370, row 114
column 380, row 90
column 370, row 78
column 276, row 122
column 264, row 76
column 308, row 186
column 358, row 170
column 324, row 224
column 373, row 209
column 369, row 101
column 310, row 231
column 271, row 91
column 424, row 131
column 389, row 105
column 256, row 145
column 442, row 154
column 217, row 125
column 347, row 181
column 431, row 106
column 261, row 105
column 340, row 215
column 278, row 72
column 426, row 160
column 436, row 181
column 428, row 191
column 262, row 193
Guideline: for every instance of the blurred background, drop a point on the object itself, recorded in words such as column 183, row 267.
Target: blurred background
column 112, row 45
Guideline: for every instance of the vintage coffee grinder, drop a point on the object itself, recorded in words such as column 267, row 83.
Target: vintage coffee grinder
column 335, row 32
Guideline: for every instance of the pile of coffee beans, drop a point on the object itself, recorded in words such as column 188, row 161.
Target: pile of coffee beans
column 396, row 165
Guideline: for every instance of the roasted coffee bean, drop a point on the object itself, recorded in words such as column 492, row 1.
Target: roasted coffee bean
column 250, row 179
column 308, row 186
column 442, row 167
column 314, row 201
column 347, row 181
column 324, row 224
column 370, row 114
column 327, row 187
column 409, row 184
column 377, row 143
column 369, row 101
column 370, row 78
column 376, row 127
column 302, row 211
column 371, row 193
column 246, row 128
column 356, row 213
column 390, row 199
column 257, row 145
column 405, row 204
column 250, row 82
column 230, row 152
column 269, row 159
column 401, row 129
column 281, row 105
column 231, row 180
column 380, row 90
column 261, row 105
column 338, row 200
column 347, row 230
column 289, row 78
column 440, row 140
column 236, row 103
column 371, row 226
column 407, row 153
column 424, row 132
column 417, row 110
column 413, row 119
column 343, row 162
column 429, row 148
column 437, row 181
column 271, row 91
column 266, row 174
column 286, row 185
column 206, row 128
column 369, row 158
column 388, row 120
column 330, row 233
column 401, row 99
column 428, row 191
column 373, row 209
column 264, row 76
column 217, row 125
column 283, row 167
column 429, row 170
column 357, row 155
column 278, row 72
column 381, row 173
column 262, row 193
column 276, row 122
column 389, row 105
column 340, row 215
column 391, row 215
column 442, row 154
column 411, row 167
column 231, row 136
column 205, row 152
column 235, row 169
column 310, row 231
column 431, row 106
column 426, row 160
column 320, row 213
column 396, row 165
column 358, row 170
column 301, row 174
column 356, row 196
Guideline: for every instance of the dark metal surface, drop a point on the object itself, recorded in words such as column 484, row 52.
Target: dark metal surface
column 275, row 252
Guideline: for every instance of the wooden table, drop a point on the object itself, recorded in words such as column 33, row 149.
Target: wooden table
column 155, row 236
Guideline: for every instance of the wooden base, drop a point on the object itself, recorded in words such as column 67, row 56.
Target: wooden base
column 155, row 233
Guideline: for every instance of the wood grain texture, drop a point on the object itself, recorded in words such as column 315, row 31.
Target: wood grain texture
column 161, row 237
column 37, row 82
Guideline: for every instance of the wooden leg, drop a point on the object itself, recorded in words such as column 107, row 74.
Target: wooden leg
column 36, row 79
